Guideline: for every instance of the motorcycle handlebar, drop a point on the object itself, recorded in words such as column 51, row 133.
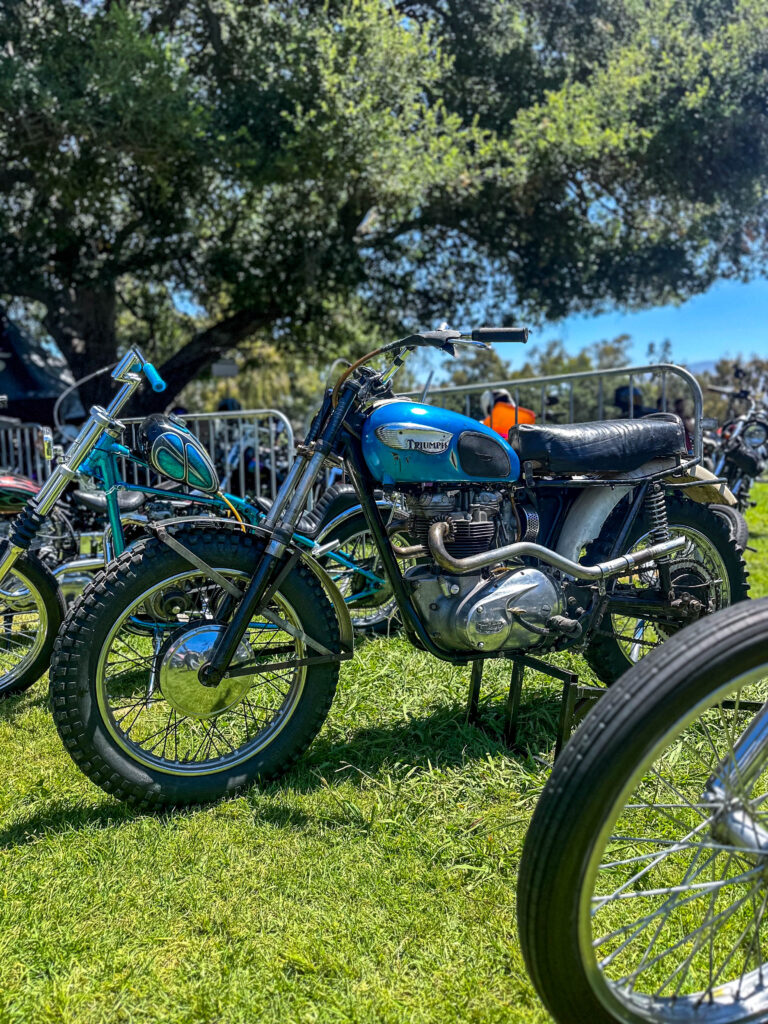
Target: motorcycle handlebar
column 156, row 382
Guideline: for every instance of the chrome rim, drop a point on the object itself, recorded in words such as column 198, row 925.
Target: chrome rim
column 672, row 919
column 151, row 700
column 700, row 564
column 24, row 627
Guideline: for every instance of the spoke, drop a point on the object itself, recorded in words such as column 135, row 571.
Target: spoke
column 721, row 917
column 601, row 901
column 700, row 887
column 663, row 911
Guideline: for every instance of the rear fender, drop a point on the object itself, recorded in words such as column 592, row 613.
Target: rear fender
column 712, row 490
column 593, row 506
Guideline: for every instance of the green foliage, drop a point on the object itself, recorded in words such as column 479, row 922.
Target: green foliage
column 281, row 164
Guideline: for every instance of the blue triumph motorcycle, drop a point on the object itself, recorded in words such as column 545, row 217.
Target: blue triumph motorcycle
column 207, row 656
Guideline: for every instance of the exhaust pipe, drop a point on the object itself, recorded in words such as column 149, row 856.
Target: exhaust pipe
column 439, row 531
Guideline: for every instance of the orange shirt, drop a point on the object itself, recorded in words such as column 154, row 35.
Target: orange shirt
column 502, row 417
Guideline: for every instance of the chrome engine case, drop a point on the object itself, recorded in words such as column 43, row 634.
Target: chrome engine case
column 472, row 613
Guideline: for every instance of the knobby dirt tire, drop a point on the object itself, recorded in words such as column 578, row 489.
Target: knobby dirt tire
column 73, row 672
column 737, row 524
column 588, row 779
column 603, row 652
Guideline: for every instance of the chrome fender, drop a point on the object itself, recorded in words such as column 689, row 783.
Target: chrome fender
column 346, row 632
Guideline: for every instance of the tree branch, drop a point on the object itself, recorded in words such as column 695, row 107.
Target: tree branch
column 204, row 348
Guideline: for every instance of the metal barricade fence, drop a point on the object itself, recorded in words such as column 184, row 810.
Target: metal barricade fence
column 584, row 396
column 20, row 452
column 251, row 448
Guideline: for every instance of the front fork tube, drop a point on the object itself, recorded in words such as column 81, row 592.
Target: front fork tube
column 212, row 673
column 293, row 494
column 54, row 487
column 40, row 505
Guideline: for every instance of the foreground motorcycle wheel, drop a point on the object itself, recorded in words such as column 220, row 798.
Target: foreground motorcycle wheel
column 31, row 610
column 636, row 903
column 709, row 568
column 124, row 679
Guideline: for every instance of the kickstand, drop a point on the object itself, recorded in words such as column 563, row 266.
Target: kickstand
column 575, row 702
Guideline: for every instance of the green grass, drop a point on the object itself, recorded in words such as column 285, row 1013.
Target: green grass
column 376, row 883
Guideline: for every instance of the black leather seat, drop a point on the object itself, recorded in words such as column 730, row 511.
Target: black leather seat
column 613, row 446
column 128, row 501
column 335, row 500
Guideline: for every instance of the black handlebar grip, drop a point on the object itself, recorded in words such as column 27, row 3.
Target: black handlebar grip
column 500, row 334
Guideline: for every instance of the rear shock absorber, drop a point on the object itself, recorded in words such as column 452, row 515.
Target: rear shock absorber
column 656, row 508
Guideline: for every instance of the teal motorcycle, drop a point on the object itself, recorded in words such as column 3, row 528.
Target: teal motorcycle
column 34, row 598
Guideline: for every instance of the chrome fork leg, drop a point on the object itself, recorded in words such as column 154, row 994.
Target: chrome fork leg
column 730, row 786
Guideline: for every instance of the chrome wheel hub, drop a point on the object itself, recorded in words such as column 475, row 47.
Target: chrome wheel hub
column 181, row 664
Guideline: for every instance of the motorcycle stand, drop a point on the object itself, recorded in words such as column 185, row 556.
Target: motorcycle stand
column 576, row 700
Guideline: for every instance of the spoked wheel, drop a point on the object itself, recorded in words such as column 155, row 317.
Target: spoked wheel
column 643, row 889
column 127, row 698
column 707, row 574
column 361, row 577
column 31, row 611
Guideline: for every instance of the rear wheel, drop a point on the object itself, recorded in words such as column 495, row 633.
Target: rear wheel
column 126, row 696
column 709, row 571
column 361, row 577
column 736, row 523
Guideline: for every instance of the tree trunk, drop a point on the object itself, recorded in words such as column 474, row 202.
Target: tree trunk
column 82, row 323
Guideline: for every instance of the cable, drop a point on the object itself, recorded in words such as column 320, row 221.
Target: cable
column 235, row 513
column 72, row 387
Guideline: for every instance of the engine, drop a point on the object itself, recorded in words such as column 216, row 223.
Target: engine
column 474, row 515
column 504, row 608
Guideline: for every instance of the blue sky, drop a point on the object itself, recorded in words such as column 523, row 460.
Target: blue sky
column 730, row 319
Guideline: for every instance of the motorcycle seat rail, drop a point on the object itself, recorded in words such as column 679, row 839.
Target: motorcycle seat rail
column 613, row 446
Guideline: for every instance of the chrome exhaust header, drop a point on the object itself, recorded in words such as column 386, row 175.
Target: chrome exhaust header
column 438, row 533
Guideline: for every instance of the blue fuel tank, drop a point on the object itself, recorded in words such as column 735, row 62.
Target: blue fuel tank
column 411, row 443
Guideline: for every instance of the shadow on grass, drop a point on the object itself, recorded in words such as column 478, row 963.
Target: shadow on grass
column 15, row 704
column 61, row 817
column 441, row 739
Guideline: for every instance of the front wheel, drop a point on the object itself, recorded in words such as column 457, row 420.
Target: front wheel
column 708, row 573
column 643, row 886
column 31, row 609
column 125, row 692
